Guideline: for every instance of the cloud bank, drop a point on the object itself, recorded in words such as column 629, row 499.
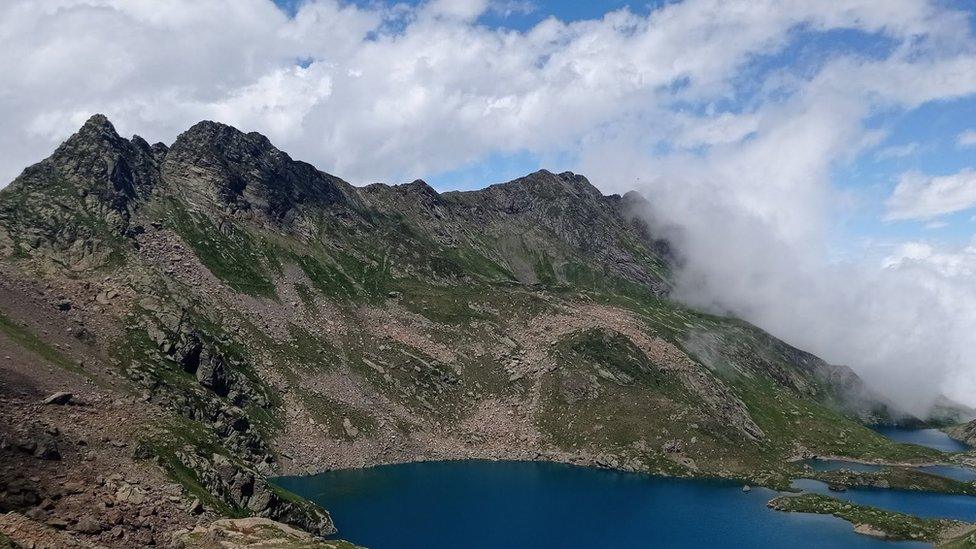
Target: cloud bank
column 918, row 196
column 716, row 109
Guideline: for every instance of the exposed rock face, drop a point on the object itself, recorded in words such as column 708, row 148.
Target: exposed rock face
column 40, row 442
column 80, row 200
column 212, row 374
column 244, row 174
column 246, row 489
column 252, row 532
column 965, row 432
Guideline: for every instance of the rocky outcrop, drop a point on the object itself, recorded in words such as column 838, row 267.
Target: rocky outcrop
column 964, row 432
column 252, row 533
column 245, row 175
column 39, row 441
column 78, row 203
column 246, row 489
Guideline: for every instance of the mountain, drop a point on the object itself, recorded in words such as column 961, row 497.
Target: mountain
column 221, row 313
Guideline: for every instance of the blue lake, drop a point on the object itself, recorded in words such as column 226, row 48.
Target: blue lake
column 933, row 438
column 923, row 504
column 955, row 472
column 484, row 504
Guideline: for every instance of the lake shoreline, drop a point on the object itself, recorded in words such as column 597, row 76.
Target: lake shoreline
column 362, row 501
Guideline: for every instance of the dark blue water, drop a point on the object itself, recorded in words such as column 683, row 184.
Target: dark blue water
column 933, row 438
column 483, row 504
column 922, row 504
column 955, row 472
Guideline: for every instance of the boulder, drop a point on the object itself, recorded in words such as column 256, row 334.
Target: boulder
column 87, row 525
column 130, row 494
column 673, row 447
column 41, row 444
column 349, row 428
column 186, row 351
column 59, row 398
column 195, row 507
column 212, row 373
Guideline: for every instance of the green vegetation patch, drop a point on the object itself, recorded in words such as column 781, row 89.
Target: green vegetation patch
column 888, row 524
column 606, row 395
column 230, row 253
column 26, row 339
column 6, row 542
column 902, row 478
column 327, row 278
column 331, row 413
column 786, row 417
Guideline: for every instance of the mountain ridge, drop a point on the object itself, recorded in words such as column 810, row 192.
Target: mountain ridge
column 258, row 316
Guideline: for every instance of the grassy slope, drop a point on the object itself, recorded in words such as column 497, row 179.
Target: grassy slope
column 458, row 288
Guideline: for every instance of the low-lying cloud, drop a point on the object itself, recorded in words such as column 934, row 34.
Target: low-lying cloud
column 905, row 323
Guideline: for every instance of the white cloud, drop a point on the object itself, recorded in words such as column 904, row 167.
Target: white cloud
column 918, row 196
column 897, row 151
column 507, row 8
column 465, row 10
column 394, row 92
column 411, row 90
column 966, row 139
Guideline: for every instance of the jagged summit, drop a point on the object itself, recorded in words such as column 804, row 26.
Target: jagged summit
column 88, row 189
column 208, row 134
column 97, row 124
column 96, row 136
column 246, row 169
column 219, row 172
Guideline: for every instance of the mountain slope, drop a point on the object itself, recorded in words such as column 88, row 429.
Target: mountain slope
column 268, row 318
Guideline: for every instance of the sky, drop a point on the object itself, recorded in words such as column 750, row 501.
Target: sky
column 814, row 162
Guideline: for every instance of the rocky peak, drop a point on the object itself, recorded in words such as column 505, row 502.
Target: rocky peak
column 94, row 143
column 80, row 200
column 97, row 161
column 97, row 126
column 418, row 190
column 243, row 172
column 217, row 138
column 546, row 184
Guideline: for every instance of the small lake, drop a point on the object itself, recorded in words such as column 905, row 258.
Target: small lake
column 922, row 504
column 955, row 472
column 485, row 504
column 933, row 438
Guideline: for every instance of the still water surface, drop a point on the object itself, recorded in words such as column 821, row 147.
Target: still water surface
column 933, row 438
column 485, row 504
